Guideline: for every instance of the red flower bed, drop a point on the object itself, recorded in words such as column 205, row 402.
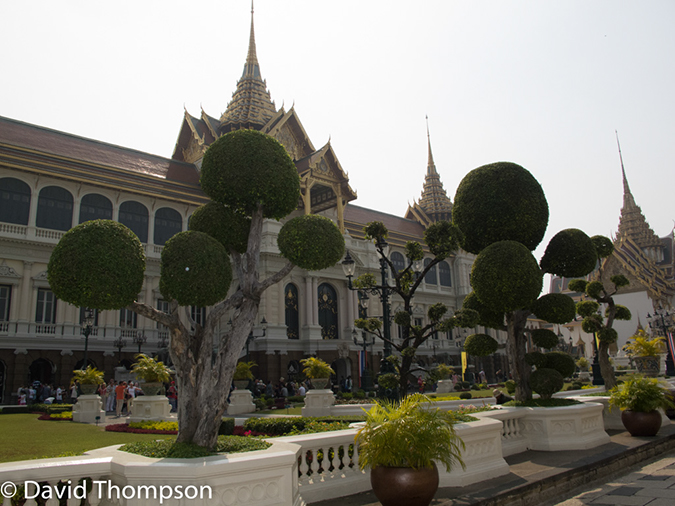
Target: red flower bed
column 239, row 431
column 123, row 427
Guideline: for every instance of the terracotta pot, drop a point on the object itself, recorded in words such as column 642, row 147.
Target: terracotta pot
column 642, row 424
column 649, row 366
column 404, row 486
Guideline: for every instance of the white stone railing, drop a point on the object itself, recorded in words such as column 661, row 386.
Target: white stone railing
column 260, row 478
column 512, row 436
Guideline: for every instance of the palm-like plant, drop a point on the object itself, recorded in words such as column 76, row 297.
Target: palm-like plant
column 640, row 394
column 642, row 346
column 315, row 368
column 89, row 376
column 411, row 433
column 243, row 371
column 151, row 370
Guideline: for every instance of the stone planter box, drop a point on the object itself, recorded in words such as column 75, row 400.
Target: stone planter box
column 154, row 408
column 318, row 403
column 87, row 408
column 241, row 401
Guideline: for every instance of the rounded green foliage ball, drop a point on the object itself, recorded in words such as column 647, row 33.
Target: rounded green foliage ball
column 228, row 227
column 312, row 242
column 99, row 264
column 603, row 245
column 546, row 382
column 555, row 308
column 195, row 270
column 480, row 345
column 577, row 285
column 505, row 276
column 443, row 238
column 245, row 168
column 561, row 362
column 570, row 253
column 536, row 359
column 500, row 202
column 594, row 289
column 544, row 338
column 606, row 335
column 487, row 317
column 622, row 313
column 591, row 323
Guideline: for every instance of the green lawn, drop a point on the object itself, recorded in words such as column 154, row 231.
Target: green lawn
column 24, row 437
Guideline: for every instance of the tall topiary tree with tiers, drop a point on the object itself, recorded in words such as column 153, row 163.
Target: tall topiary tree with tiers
column 502, row 211
column 249, row 176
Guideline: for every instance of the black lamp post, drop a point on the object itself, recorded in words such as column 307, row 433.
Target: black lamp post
column 119, row 343
column 87, row 324
column 251, row 337
column 140, row 339
column 366, row 379
column 595, row 366
column 662, row 321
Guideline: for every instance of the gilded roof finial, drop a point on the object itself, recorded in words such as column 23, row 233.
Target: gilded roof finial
column 628, row 199
column 251, row 69
column 431, row 167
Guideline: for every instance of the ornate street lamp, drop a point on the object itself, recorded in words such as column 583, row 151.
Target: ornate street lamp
column 87, row 325
column 662, row 321
column 119, row 343
column 140, row 339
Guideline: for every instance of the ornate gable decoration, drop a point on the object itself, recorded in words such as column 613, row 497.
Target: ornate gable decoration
column 8, row 272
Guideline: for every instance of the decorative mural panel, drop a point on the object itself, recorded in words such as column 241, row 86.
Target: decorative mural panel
column 328, row 311
column 292, row 313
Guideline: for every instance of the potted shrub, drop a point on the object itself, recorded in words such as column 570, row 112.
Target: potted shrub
column 153, row 372
column 400, row 443
column 584, row 365
column 89, row 379
column 639, row 400
column 317, row 370
column 243, row 374
column 645, row 353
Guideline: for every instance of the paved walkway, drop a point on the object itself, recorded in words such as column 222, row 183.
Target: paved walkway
column 546, row 478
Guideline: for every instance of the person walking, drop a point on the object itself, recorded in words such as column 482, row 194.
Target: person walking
column 120, row 392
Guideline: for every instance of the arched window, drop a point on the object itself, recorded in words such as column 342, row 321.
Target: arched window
column 168, row 223
column 135, row 216
column 430, row 278
column 444, row 274
column 95, row 207
column 55, row 209
column 328, row 311
column 398, row 260
column 14, row 201
column 292, row 314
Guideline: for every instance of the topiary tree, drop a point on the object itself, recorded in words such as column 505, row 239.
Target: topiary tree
column 593, row 321
column 442, row 239
column 249, row 176
column 503, row 214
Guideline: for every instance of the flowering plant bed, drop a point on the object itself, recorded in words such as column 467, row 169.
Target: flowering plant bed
column 123, row 427
column 64, row 416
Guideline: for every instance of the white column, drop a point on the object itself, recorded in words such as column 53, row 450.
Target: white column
column 308, row 301
column 315, row 301
column 26, row 292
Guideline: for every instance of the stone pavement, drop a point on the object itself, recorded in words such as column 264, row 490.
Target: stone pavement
column 652, row 484
column 546, row 478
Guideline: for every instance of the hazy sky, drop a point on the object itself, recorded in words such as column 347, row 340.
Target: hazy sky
column 541, row 83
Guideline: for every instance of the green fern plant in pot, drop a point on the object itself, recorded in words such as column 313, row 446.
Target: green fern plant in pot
column 401, row 443
column 153, row 372
column 639, row 400
column 89, row 379
column 317, row 370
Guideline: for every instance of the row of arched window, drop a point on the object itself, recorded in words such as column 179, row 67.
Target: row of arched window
column 55, row 211
column 444, row 276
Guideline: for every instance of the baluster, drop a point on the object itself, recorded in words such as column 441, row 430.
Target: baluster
column 303, row 467
column 7, row 500
column 508, row 428
column 314, row 466
column 355, row 458
column 93, row 497
column 53, row 501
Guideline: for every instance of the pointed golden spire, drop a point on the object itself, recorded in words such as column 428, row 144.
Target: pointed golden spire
column 632, row 222
column 434, row 200
column 251, row 105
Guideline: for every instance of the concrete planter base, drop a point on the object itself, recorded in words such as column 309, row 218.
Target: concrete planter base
column 87, row 408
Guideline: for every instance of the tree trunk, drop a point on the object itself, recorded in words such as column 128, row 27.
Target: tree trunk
column 515, row 350
column 204, row 376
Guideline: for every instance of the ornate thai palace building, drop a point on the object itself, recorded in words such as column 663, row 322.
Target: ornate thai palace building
column 51, row 181
column 647, row 260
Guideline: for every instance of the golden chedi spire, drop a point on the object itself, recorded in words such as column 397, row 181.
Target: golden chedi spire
column 632, row 222
column 434, row 201
column 251, row 105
